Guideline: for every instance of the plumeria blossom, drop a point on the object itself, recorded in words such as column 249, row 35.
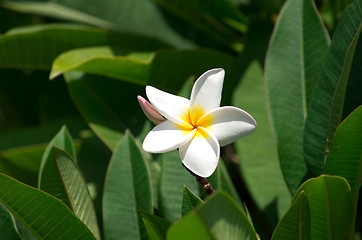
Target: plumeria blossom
column 197, row 127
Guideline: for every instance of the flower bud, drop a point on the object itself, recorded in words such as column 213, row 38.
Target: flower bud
column 150, row 111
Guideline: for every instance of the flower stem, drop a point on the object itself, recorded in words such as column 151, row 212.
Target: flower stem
column 205, row 184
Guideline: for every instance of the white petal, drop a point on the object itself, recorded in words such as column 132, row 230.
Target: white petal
column 228, row 124
column 201, row 154
column 165, row 137
column 206, row 92
column 174, row 108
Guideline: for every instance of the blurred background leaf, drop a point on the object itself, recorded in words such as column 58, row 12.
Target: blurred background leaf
column 7, row 226
column 270, row 192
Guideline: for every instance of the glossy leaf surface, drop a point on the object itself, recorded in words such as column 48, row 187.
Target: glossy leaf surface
column 330, row 203
column 295, row 224
column 62, row 178
column 297, row 48
column 189, row 201
column 317, row 122
column 44, row 215
column 127, row 188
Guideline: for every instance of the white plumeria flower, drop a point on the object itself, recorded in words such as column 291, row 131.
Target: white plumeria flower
column 199, row 126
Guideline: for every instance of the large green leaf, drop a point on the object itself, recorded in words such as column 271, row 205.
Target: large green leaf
column 142, row 68
column 298, row 46
column 330, row 203
column 270, row 192
column 55, row 10
column 37, row 46
column 173, row 179
column 102, row 61
column 338, row 101
column 122, row 15
column 334, row 70
column 127, row 188
column 62, row 178
column 224, row 218
column 189, row 227
column 295, row 224
column 345, row 157
column 44, row 215
column 99, row 102
column 214, row 17
column 7, row 225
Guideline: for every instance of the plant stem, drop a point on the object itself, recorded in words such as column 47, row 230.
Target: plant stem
column 205, row 184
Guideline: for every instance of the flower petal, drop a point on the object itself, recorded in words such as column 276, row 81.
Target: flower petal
column 173, row 107
column 201, row 154
column 228, row 124
column 150, row 111
column 206, row 92
column 165, row 137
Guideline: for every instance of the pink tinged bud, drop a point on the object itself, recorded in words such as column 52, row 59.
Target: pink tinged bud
column 150, row 111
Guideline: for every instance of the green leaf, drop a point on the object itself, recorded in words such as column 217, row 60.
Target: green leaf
column 99, row 105
column 270, row 192
column 156, row 226
column 295, row 224
column 142, row 68
column 218, row 27
column 318, row 120
column 152, row 232
column 7, row 226
column 127, row 187
column 189, row 227
column 36, row 46
column 221, row 181
column 55, row 10
column 61, row 140
column 345, row 157
column 189, row 201
column 44, row 215
column 298, row 45
column 102, row 61
column 22, row 163
column 62, row 178
column 330, row 203
column 120, row 16
column 225, row 219
column 21, row 150
column 173, row 179
column 341, row 88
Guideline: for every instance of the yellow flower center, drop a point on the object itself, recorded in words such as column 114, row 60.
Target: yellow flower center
column 196, row 120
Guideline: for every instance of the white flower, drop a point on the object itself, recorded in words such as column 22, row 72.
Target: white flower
column 199, row 126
